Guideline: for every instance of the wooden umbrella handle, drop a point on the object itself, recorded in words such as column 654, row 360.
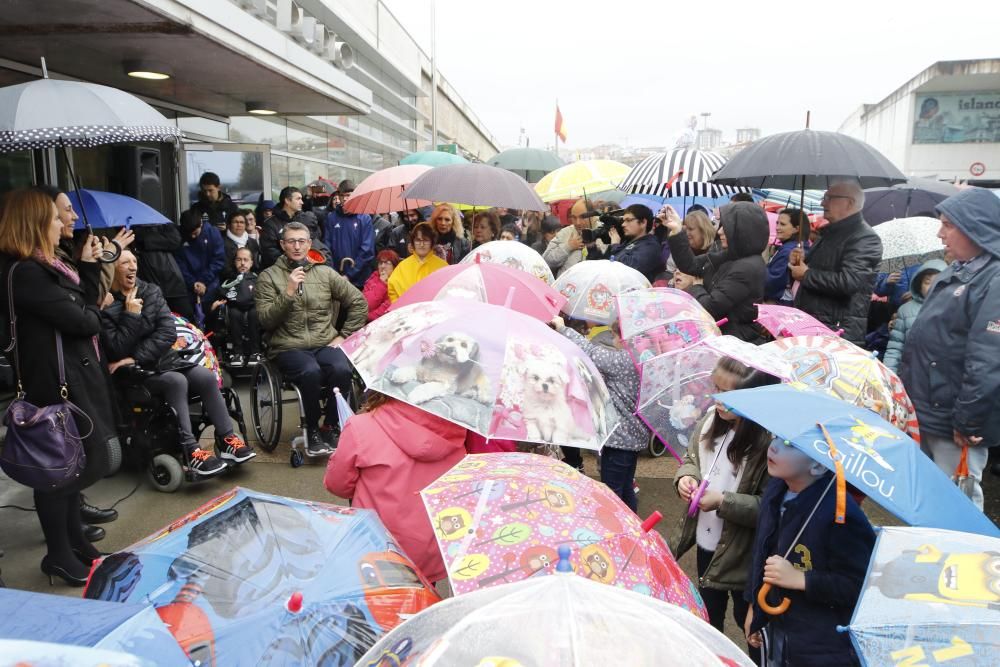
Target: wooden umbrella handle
column 778, row 610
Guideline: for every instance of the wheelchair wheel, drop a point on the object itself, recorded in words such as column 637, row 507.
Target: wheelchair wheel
column 656, row 447
column 165, row 473
column 265, row 405
column 295, row 458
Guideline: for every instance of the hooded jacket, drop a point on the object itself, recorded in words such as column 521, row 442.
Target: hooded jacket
column 733, row 278
column 411, row 271
column 645, row 255
column 907, row 314
column 837, row 288
column 144, row 336
column 270, row 234
column 219, row 212
column 377, row 295
column 951, row 361
column 384, row 458
column 155, row 245
column 353, row 236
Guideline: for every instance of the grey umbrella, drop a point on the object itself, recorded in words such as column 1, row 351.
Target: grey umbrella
column 531, row 164
column 917, row 196
column 475, row 185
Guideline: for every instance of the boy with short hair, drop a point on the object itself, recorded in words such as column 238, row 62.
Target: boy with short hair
column 824, row 571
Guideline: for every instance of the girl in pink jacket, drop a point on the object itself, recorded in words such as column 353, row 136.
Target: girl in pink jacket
column 376, row 289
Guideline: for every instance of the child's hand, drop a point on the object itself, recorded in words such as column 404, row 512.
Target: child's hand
column 780, row 572
column 710, row 501
column 686, row 486
column 753, row 639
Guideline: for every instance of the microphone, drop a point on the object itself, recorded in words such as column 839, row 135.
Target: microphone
column 312, row 258
column 305, row 265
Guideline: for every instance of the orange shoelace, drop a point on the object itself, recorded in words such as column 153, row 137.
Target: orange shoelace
column 234, row 441
column 200, row 455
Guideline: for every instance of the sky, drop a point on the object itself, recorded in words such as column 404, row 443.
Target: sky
column 632, row 72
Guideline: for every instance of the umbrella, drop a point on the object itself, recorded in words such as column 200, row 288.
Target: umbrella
column 250, row 578
column 325, row 186
column 916, row 195
column 531, row 164
column 514, row 255
column 660, row 319
column 581, row 179
column 785, row 321
column 382, row 192
column 133, row 629
column 476, row 185
column 559, row 621
column 789, row 199
column 25, row 653
column 682, row 172
column 500, row 518
column 675, row 389
column 841, row 369
column 930, row 597
column 433, row 158
column 107, row 209
column 493, row 370
column 876, row 457
column 488, row 283
column 680, row 204
column 909, row 241
column 590, row 289
column 195, row 345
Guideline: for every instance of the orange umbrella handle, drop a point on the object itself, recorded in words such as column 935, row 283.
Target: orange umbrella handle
column 963, row 463
column 772, row 610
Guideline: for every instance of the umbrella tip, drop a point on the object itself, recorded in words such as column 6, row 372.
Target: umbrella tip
column 564, row 565
column 651, row 521
column 294, row 603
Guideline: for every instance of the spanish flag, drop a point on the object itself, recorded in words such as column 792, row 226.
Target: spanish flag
column 560, row 127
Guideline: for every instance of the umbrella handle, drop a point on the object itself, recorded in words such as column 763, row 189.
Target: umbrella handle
column 696, row 497
column 778, row 610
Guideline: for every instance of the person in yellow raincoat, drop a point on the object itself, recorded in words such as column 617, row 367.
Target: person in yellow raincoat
column 421, row 263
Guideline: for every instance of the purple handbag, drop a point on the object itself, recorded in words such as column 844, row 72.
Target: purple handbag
column 43, row 448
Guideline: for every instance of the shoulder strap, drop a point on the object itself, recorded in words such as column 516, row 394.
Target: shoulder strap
column 12, row 347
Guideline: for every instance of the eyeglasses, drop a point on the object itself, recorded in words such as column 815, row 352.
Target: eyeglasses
column 827, row 197
column 420, row 241
column 295, row 242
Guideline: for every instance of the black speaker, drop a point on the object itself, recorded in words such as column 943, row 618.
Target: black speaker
column 140, row 174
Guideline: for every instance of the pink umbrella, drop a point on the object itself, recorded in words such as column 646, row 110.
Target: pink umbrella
column 658, row 320
column 382, row 192
column 488, row 283
column 786, row 322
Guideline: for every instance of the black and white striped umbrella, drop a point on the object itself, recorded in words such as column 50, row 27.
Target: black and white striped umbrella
column 683, row 172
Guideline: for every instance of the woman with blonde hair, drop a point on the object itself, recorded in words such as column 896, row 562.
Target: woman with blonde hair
column 700, row 233
column 452, row 244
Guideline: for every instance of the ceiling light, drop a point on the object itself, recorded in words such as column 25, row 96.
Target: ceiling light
column 260, row 109
column 148, row 69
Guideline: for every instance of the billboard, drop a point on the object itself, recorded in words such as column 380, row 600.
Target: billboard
column 957, row 118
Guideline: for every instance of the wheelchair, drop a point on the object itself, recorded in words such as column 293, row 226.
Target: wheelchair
column 149, row 428
column 226, row 348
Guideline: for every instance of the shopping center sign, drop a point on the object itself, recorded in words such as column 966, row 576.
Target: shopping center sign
column 957, row 118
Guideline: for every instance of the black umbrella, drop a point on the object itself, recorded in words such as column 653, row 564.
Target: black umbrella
column 916, row 196
column 475, row 185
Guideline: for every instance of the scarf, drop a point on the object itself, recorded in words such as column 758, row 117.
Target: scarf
column 60, row 266
column 240, row 241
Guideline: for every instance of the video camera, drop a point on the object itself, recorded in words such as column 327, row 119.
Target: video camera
column 602, row 232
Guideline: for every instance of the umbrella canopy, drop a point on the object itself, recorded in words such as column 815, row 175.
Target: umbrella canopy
column 49, row 113
column 879, row 459
column 514, row 255
column 250, row 578
column 785, row 322
column 382, row 192
column 476, row 185
column 500, row 518
column 487, row 283
column 22, row 653
column 108, row 209
column 132, row 629
column 930, row 596
column 915, row 196
column 810, row 159
column 790, row 199
column 682, row 172
column 661, row 319
column 590, row 289
column 909, row 241
column 579, row 179
column 680, row 204
column 531, row 164
column 433, row 158
column 492, row 370
column 323, row 186
column 558, row 621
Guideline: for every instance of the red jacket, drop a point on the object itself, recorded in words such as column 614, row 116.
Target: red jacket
column 384, row 459
column 377, row 295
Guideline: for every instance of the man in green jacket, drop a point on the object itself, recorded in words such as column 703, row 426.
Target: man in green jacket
column 299, row 304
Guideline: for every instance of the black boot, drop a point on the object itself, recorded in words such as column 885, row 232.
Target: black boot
column 93, row 533
column 91, row 514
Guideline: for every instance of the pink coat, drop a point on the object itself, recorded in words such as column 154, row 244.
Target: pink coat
column 384, row 459
column 377, row 295
column 477, row 444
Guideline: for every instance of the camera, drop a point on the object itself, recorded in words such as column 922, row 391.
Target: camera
column 602, row 232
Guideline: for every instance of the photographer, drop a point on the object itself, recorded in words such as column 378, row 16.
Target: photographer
column 641, row 250
column 574, row 243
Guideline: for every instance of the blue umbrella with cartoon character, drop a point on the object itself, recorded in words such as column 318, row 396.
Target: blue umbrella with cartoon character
column 255, row 579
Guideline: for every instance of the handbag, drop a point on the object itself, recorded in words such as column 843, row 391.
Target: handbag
column 43, row 448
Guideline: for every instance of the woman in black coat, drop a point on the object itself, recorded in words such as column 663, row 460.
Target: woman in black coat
column 50, row 296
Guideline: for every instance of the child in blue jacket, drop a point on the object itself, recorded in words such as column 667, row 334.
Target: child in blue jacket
column 823, row 573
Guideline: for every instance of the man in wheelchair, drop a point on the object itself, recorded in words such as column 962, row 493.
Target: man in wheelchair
column 139, row 331
column 298, row 304
column 234, row 311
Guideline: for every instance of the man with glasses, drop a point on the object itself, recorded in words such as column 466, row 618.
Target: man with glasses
column 398, row 238
column 568, row 248
column 836, row 276
column 640, row 250
column 298, row 304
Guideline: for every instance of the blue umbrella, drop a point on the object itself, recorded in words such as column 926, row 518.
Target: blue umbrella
column 877, row 457
column 129, row 628
column 107, row 209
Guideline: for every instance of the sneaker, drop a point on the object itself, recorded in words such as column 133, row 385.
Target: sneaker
column 205, row 464
column 232, row 448
column 237, row 360
column 330, row 436
column 315, row 445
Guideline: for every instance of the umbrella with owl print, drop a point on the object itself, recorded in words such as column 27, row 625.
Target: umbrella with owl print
column 501, row 518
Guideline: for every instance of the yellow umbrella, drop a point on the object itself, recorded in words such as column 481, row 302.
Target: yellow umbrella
column 581, row 178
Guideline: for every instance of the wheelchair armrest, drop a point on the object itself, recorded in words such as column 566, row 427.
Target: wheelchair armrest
column 133, row 375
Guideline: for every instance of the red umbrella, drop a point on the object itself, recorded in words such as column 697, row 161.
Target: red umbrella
column 382, row 192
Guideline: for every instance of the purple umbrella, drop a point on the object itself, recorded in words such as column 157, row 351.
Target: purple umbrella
column 476, row 185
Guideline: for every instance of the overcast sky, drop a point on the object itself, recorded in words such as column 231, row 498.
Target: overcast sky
column 631, row 72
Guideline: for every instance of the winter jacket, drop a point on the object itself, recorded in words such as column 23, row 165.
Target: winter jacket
column 951, row 361
column 733, row 278
column 622, row 379
column 306, row 321
column 239, row 292
column 478, row 444
column 778, row 279
column 384, row 458
column 155, row 246
column 353, row 236
column 451, row 247
column 411, row 271
column 145, row 336
column 837, row 288
column 558, row 255
column 645, row 255
column 377, row 295
column 398, row 239
column 907, row 314
column 731, row 561
column 895, row 292
column 202, row 259
column 835, row 559
column 229, row 272
column 270, row 235
column 219, row 212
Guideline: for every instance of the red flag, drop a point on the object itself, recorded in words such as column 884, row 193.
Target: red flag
column 560, row 128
